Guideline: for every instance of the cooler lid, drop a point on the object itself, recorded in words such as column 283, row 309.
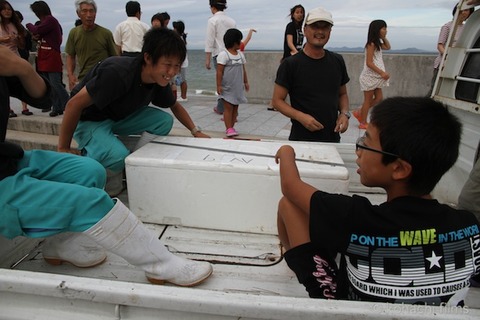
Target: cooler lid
column 316, row 160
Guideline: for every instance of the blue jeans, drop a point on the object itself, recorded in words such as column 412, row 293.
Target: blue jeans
column 59, row 93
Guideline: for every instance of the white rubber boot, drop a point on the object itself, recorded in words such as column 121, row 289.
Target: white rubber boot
column 144, row 139
column 73, row 247
column 122, row 233
column 114, row 185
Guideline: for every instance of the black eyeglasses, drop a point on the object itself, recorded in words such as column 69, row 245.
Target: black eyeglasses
column 360, row 144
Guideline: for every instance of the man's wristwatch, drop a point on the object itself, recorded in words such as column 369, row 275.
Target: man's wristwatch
column 347, row 114
column 195, row 130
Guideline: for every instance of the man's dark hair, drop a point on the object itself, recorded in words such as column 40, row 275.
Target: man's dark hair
column 422, row 132
column 132, row 8
column 220, row 5
column 231, row 37
column 41, row 9
column 163, row 42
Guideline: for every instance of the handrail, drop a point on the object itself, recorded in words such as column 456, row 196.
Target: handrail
column 467, row 79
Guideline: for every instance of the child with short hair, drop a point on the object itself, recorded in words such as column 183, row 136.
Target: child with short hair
column 232, row 79
column 410, row 249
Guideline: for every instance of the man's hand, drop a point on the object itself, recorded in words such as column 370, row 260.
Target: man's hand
column 342, row 123
column 310, row 123
column 72, row 81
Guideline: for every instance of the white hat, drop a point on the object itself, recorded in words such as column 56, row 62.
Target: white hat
column 318, row 14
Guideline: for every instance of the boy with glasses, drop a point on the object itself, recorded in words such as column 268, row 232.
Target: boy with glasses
column 410, row 249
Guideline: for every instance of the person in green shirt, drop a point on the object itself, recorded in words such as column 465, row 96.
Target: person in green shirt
column 88, row 43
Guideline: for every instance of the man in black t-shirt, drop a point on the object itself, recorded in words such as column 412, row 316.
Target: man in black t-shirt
column 410, row 249
column 315, row 80
column 113, row 99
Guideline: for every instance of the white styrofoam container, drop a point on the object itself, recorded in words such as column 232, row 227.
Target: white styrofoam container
column 218, row 184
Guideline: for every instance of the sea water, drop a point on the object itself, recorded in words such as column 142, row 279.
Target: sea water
column 199, row 79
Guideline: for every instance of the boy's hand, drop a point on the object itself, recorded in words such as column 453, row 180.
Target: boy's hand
column 285, row 151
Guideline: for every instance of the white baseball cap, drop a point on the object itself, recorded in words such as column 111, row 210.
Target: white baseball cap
column 318, row 14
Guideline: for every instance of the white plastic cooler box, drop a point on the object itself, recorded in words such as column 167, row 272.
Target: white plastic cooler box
column 222, row 184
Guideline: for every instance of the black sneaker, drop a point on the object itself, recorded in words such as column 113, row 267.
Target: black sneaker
column 56, row 113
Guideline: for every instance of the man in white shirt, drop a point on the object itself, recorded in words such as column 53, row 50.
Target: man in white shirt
column 217, row 25
column 128, row 35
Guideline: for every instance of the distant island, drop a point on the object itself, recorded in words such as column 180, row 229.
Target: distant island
column 397, row 51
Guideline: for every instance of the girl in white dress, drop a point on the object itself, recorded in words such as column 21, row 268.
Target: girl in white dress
column 232, row 79
column 373, row 76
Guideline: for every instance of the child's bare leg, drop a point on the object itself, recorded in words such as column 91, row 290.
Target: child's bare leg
column 293, row 224
column 378, row 97
column 235, row 114
column 367, row 104
column 228, row 114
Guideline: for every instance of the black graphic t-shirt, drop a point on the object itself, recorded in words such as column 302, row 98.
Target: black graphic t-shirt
column 408, row 250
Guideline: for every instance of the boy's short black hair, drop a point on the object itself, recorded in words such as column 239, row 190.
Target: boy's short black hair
column 163, row 42
column 232, row 36
column 132, row 8
column 220, row 5
column 422, row 132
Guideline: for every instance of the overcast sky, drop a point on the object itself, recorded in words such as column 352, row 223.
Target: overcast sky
column 411, row 23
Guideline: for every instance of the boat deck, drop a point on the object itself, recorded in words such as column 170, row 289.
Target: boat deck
column 250, row 278
column 246, row 266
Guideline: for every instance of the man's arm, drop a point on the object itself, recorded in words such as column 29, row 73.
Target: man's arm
column 72, row 78
column 278, row 101
column 343, row 107
column 111, row 46
column 208, row 58
column 73, row 111
column 209, row 44
column 182, row 115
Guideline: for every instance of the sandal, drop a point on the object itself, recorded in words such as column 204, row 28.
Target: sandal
column 27, row 112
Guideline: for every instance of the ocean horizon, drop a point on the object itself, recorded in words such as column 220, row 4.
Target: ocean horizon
column 201, row 80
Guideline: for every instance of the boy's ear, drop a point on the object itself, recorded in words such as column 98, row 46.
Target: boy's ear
column 401, row 169
column 147, row 58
